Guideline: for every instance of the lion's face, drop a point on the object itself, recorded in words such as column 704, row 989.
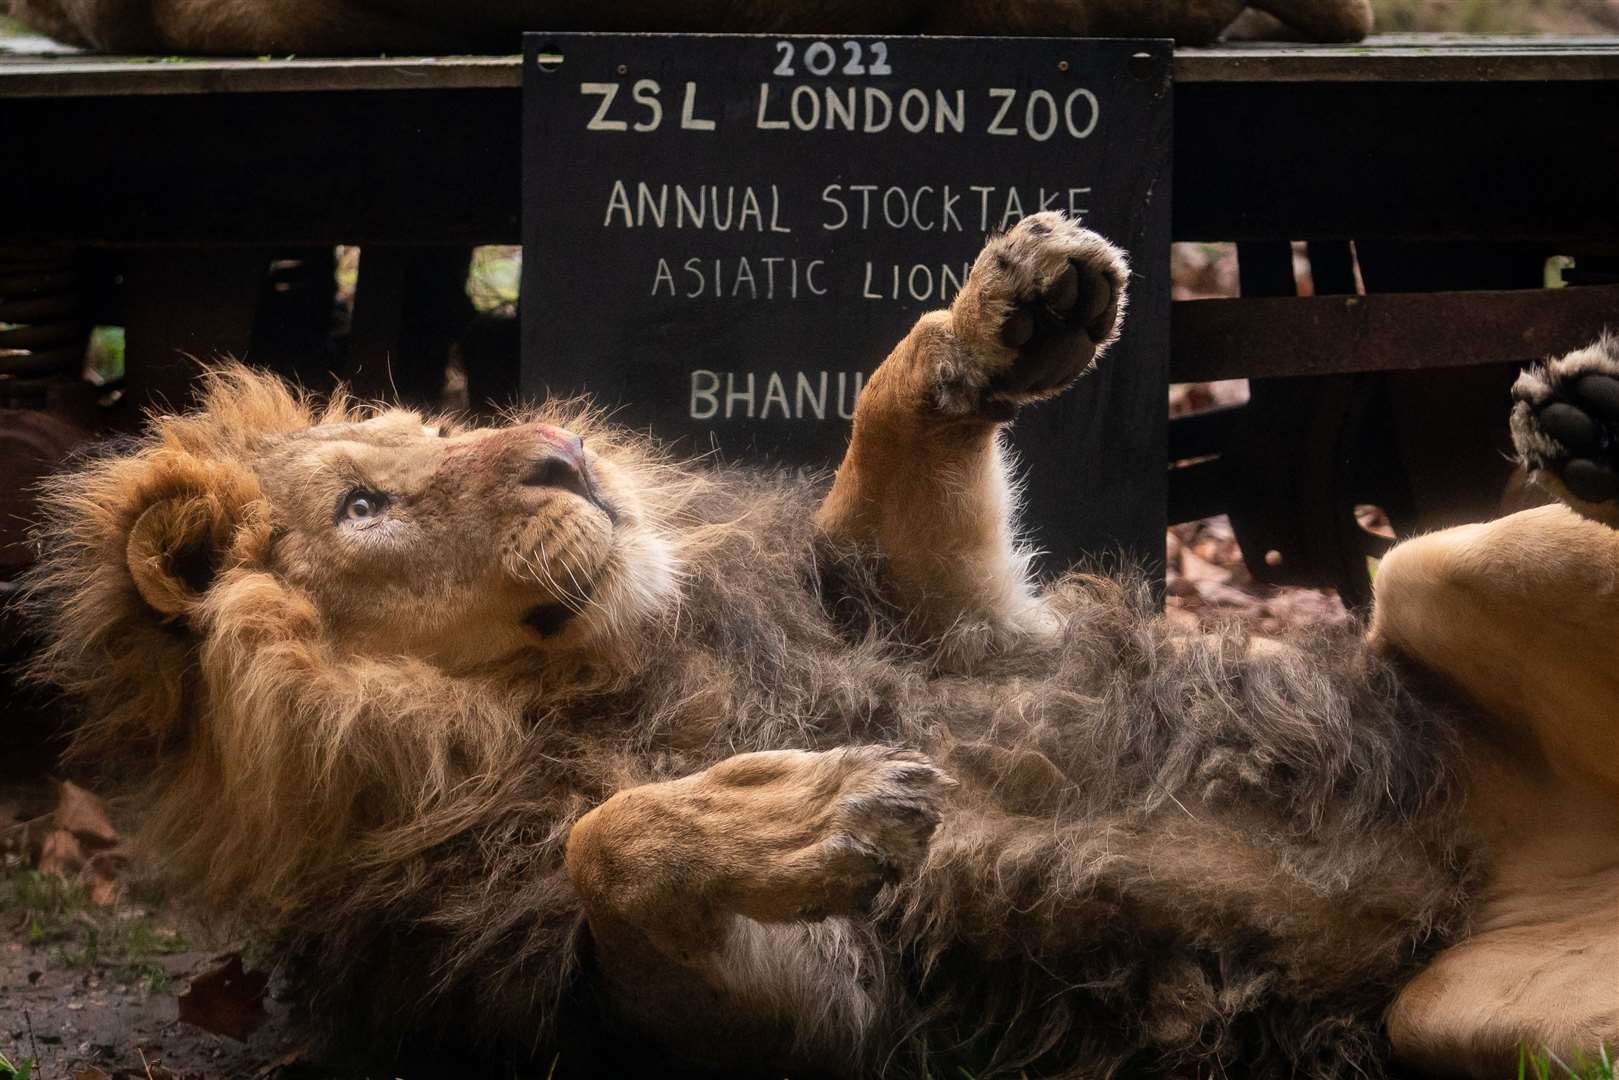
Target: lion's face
column 459, row 546
column 382, row 533
column 276, row 603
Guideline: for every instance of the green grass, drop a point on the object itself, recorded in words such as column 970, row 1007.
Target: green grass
column 105, row 357
column 1542, row 1064
column 494, row 277
column 122, row 944
column 8, row 1071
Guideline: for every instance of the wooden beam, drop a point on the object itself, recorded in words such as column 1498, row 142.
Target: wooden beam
column 1327, row 335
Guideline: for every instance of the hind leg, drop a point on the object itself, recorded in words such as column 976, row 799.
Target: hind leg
column 1522, row 615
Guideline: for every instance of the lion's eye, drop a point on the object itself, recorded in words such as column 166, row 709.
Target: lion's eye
column 361, row 505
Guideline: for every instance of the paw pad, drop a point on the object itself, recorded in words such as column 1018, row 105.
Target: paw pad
column 1056, row 334
column 1566, row 422
column 1049, row 292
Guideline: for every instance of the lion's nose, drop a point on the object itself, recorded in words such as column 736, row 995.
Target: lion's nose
column 561, row 464
column 558, row 459
column 559, row 467
column 554, row 470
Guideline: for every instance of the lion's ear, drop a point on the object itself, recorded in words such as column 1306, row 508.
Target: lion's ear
column 180, row 538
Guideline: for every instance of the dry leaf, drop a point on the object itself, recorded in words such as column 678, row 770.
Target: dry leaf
column 85, row 816
column 1206, row 583
column 105, row 890
column 60, row 855
column 92, row 1073
column 292, row 1057
column 226, row 1001
column 79, row 844
column 1200, row 571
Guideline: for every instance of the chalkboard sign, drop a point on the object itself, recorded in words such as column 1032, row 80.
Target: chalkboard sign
column 725, row 235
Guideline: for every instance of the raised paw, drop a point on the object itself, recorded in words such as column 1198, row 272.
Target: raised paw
column 1042, row 301
column 1565, row 425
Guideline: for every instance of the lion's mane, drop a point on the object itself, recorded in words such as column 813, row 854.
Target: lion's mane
column 1167, row 851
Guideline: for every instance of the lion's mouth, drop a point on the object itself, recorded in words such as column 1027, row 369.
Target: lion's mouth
column 584, row 485
column 548, row 620
column 604, row 506
column 552, row 617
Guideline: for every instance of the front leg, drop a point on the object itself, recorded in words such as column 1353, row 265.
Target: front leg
column 925, row 480
column 708, row 896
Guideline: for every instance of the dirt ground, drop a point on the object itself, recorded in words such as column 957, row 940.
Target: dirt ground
column 93, row 961
column 85, row 1023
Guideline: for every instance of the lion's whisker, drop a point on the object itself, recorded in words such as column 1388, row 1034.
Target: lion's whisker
column 570, row 601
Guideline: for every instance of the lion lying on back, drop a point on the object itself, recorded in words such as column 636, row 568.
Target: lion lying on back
column 528, row 738
column 251, row 27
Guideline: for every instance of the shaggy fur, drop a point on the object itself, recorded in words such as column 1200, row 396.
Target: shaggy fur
column 1165, row 852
